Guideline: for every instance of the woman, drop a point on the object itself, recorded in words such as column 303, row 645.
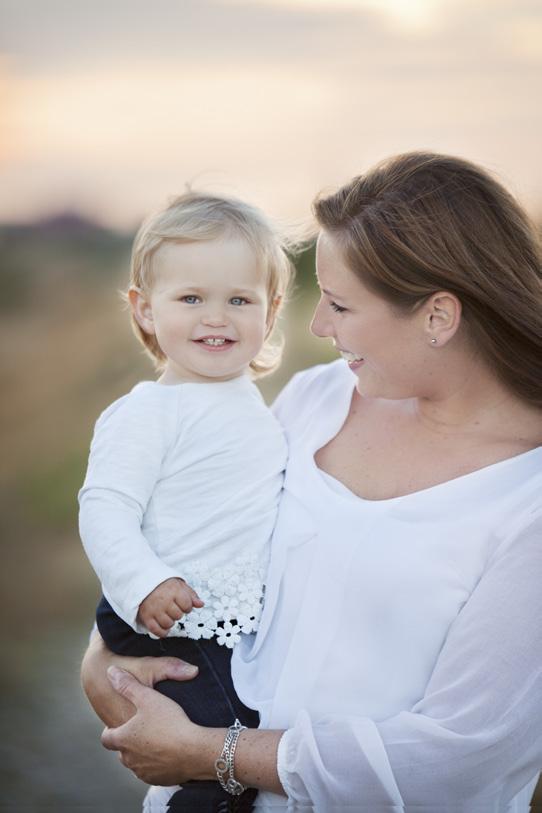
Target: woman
column 399, row 656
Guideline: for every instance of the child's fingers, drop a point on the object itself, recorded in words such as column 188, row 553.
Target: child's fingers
column 196, row 601
column 155, row 626
column 186, row 598
column 187, row 591
column 164, row 620
column 184, row 602
column 174, row 612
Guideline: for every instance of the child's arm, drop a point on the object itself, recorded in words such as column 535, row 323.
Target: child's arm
column 129, row 450
column 167, row 604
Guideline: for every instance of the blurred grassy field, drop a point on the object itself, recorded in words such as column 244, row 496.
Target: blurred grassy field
column 67, row 352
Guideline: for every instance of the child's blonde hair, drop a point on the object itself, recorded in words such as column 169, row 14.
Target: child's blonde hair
column 194, row 217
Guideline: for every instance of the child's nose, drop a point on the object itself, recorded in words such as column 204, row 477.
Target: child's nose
column 214, row 318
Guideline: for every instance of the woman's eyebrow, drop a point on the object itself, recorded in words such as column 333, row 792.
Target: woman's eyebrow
column 331, row 294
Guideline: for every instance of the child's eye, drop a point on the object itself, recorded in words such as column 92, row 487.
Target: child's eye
column 190, row 299
column 239, row 300
column 336, row 307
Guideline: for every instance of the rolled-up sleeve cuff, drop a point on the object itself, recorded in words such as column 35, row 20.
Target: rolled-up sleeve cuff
column 282, row 763
column 336, row 761
column 287, row 767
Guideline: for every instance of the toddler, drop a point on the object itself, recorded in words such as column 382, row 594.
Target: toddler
column 185, row 473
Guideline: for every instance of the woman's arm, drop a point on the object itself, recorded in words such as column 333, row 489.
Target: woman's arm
column 110, row 706
column 163, row 747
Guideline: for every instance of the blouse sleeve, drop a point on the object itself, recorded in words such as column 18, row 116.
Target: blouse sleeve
column 130, row 442
column 476, row 735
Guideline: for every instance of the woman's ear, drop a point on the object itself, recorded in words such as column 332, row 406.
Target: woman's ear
column 442, row 317
column 141, row 310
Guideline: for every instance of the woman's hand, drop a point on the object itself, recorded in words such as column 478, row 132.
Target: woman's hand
column 159, row 743
column 110, row 706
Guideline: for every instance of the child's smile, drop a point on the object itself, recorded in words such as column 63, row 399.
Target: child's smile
column 215, row 343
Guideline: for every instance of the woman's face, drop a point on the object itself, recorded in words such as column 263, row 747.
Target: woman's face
column 386, row 350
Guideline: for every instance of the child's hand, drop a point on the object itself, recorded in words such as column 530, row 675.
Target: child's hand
column 167, row 604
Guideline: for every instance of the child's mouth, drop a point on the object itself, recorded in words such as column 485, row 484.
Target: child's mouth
column 215, row 342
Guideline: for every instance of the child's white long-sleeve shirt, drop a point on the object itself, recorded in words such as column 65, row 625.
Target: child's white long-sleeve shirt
column 184, row 481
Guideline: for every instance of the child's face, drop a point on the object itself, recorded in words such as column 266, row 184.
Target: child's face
column 207, row 307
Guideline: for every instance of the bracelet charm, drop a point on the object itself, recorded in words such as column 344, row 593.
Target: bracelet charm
column 224, row 764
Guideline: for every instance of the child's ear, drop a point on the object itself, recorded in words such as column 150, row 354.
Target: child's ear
column 272, row 311
column 141, row 310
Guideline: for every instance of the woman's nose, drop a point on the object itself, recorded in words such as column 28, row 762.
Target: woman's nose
column 319, row 325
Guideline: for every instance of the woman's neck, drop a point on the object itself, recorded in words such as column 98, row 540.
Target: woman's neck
column 475, row 401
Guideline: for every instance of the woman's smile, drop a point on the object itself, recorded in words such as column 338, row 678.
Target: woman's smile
column 354, row 361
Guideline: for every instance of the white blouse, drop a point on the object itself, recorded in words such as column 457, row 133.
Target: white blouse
column 400, row 643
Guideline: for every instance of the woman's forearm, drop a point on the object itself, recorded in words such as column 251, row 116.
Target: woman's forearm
column 163, row 747
column 111, row 707
column 255, row 757
column 256, row 760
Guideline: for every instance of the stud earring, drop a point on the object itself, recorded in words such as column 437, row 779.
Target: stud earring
column 433, row 341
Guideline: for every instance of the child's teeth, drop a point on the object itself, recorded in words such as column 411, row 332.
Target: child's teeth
column 214, row 341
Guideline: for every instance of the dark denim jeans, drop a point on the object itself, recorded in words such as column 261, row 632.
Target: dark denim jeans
column 209, row 699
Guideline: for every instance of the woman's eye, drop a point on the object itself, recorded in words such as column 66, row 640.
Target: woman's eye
column 336, row 307
column 238, row 300
column 190, row 299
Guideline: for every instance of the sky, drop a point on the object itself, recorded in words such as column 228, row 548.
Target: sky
column 110, row 108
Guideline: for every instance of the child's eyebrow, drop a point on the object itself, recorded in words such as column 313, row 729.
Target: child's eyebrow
column 192, row 285
column 199, row 289
column 247, row 291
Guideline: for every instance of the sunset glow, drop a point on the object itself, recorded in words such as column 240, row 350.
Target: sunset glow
column 274, row 99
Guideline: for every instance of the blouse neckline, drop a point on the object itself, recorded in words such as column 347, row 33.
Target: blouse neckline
column 341, row 489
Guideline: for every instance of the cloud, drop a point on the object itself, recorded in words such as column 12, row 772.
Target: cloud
column 57, row 34
column 116, row 105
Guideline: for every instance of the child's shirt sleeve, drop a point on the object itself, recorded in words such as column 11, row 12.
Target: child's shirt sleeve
column 131, row 440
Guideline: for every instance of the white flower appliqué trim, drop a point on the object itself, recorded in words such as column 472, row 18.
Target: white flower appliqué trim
column 233, row 597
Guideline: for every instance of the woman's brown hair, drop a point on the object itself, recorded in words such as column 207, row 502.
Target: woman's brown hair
column 419, row 223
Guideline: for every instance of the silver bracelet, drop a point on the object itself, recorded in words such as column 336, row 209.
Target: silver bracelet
column 225, row 762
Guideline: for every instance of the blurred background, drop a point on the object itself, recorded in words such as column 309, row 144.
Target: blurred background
column 107, row 109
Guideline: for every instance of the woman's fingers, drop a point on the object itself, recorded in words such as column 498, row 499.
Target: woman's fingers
column 167, row 668
column 131, row 689
column 157, row 743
